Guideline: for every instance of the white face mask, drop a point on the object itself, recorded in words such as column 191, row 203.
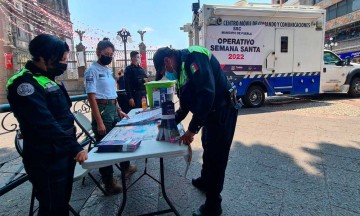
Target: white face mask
column 138, row 60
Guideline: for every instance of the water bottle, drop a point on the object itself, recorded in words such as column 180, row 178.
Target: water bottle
column 143, row 103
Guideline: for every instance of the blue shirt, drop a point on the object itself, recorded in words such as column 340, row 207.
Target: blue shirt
column 99, row 80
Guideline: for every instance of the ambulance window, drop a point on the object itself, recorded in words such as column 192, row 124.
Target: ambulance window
column 330, row 58
column 284, row 44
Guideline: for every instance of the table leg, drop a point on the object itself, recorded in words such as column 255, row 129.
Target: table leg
column 162, row 180
column 162, row 183
column 124, row 193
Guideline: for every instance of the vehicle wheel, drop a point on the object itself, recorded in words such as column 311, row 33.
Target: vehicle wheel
column 354, row 90
column 255, row 97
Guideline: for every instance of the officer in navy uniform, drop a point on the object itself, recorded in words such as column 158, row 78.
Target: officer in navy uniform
column 135, row 77
column 42, row 108
column 203, row 90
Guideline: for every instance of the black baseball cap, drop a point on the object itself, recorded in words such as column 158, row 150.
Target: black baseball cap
column 158, row 59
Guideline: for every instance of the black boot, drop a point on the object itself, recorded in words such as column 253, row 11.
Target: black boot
column 199, row 183
column 206, row 211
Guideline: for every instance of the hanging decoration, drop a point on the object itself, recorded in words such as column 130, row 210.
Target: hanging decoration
column 8, row 61
column 38, row 18
column 34, row 21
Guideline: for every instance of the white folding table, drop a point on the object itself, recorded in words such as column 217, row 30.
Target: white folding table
column 147, row 149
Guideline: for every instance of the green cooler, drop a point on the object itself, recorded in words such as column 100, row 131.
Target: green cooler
column 155, row 86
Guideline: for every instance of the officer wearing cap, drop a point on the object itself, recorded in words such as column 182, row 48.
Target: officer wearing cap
column 42, row 108
column 203, row 90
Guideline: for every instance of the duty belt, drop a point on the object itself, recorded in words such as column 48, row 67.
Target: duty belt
column 106, row 101
column 139, row 90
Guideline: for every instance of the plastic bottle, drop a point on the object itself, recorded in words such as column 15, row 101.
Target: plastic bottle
column 143, row 103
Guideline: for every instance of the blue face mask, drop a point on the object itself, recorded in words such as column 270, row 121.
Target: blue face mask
column 171, row 75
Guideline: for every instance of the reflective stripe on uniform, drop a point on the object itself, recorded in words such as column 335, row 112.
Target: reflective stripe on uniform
column 200, row 49
column 183, row 76
column 11, row 80
column 42, row 80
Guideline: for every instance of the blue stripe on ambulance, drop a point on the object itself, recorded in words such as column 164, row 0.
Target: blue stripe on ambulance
column 292, row 83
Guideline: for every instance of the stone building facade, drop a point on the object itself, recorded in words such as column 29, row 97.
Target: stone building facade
column 342, row 25
column 21, row 21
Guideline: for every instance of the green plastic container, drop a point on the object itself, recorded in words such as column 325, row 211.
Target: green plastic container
column 156, row 85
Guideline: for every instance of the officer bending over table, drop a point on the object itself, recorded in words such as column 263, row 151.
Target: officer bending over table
column 203, row 90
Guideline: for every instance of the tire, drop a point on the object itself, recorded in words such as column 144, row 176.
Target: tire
column 354, row 90
column 255, row 97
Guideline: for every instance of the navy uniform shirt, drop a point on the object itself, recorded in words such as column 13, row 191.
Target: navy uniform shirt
column 121, row 83
column 205, row 90
column 134, row 79
column 44, row 117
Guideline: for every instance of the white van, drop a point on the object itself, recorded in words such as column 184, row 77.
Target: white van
column 273, row 49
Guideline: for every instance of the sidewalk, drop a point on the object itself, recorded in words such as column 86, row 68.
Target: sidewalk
column 282, row 162
column 291, row 159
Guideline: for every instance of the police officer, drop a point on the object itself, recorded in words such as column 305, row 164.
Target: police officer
column 42, row 108
column 106, row 112
column 203, row 90
column 135, row 77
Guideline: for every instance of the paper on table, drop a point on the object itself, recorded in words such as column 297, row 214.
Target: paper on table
column 141, row 118
column 140, row 131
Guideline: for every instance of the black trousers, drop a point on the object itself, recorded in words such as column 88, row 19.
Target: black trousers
column 217, row 136
column 137, row 96
column 52, row 181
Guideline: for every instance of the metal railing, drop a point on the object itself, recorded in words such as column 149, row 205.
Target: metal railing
column 20, row 59
column 80, row 104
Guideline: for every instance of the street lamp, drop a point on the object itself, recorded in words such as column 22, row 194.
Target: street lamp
column 330, row 44
column 123, row 34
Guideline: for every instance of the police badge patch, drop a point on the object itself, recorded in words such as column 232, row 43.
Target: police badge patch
column 89, row 79
column 25, row 89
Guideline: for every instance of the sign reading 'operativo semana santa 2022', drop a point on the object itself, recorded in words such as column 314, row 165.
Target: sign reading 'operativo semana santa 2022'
column 239, row 45
column 236, row 44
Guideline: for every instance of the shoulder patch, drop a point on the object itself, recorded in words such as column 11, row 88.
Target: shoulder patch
column 194, row 67
column 89, row 78
column 25, row 89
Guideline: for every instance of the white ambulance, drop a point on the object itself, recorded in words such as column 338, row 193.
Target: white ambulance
column 275, row 49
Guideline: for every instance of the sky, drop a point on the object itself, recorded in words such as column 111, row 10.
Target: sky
column 161, row 19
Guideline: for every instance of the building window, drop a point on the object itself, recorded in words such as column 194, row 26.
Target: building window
column 348, row 32
column 331, row 14
column 355, row 5
column 21, row 33
column 284, row 44
column 341, row 9
column 317, row 1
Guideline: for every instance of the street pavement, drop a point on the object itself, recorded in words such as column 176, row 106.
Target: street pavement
column 294, row 156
